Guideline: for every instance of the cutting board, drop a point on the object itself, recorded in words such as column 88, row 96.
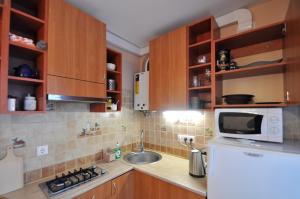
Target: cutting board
column 11, row 172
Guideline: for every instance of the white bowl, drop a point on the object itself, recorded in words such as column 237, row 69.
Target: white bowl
column 111, row 66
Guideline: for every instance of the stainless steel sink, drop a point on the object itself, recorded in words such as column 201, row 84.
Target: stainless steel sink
column 143, row 157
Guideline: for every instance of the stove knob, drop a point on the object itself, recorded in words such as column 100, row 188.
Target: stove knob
column 103, row 171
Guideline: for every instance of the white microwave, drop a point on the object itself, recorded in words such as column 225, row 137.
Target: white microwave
column 261, row 124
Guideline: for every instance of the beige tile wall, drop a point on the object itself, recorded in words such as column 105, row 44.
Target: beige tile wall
column 291, row 123
column 59, row 130
column 161, row 134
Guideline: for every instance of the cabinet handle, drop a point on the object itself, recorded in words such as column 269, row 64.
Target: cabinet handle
column 104, row 76
column 287, row 96
column 115, row 187
column 93, row 197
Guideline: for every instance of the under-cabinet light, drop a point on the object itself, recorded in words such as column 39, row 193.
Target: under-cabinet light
column 183, row 116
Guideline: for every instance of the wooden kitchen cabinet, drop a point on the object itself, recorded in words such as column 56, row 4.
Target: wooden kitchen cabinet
column 77, row 44
column 100, row 192
column 168, row 59
column 123, row 186
column 148, row 187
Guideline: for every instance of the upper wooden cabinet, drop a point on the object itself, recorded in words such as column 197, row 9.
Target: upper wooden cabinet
column 77, row 44
column 168, row 60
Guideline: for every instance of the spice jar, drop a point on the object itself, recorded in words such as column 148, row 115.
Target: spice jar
column 29, row 103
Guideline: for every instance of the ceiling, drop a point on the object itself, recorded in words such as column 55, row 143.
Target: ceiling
column 138, row 21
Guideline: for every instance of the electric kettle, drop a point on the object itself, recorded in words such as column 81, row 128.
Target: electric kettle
column 197, row 165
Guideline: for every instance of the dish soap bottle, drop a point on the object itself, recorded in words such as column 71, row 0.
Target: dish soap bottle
column 118, row 151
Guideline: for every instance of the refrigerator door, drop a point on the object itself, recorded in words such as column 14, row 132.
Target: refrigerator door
column 243, row 173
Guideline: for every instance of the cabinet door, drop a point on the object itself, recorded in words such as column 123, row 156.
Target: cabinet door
column 148, row 187
column 168, row 71
column 101, row 192
column 159, row 74
column 178, row 68
column 76, row 44
column 86, row 195
column 145, row 186
column 123, row 186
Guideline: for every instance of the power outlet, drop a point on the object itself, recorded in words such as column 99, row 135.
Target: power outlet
column 42, row 150
column 181, row 138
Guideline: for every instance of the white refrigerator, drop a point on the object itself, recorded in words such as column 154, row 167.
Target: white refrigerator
column 236, row 172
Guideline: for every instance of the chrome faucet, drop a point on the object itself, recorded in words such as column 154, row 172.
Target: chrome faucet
column 142, row 141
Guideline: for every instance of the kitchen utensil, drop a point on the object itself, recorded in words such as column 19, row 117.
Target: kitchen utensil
column 109, row 102
column 201, row 59
column 111, row 66
column 29, row 103
column 196, row 81
column 114, row 107
column 195, row 102
column 11, row 172
column 111, row 84
column 11, row 104
column 25, row 70
column 232, row 65
column 238, row 99
column 41, row 44
column 197, row 165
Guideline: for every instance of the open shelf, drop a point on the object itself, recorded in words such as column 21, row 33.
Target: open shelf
column 113, row 72
column 205, row 43
column 199, row 32
column 26, row 19
column 25, row 80
column 249, row 105
column 26, row 48
column 252, row 71
column 109, row 91
column 200, row 88
column 200, row 42
column 197, row 66
column 258, row 35
column 116, row 95
column 34, row 8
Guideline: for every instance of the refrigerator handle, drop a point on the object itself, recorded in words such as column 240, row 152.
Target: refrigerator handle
column 254, row 155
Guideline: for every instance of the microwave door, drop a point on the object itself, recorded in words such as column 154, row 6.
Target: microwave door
column 240, row 123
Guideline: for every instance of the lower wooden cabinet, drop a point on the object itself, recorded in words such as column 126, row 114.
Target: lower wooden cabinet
column 123, row 186
column 118, row 188
column 101, row 192
column 148, row 187
column 138, row 185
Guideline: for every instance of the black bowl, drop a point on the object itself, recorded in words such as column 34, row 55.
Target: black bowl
column 238, row 99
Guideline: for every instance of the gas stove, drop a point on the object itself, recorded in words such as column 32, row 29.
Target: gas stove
column 72, row 179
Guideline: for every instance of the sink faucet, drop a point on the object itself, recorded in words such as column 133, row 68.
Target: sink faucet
column 142, row 141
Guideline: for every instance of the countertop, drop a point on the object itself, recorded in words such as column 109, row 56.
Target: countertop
column 171, row 169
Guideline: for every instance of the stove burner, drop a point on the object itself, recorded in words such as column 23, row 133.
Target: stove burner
column 70, row 180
